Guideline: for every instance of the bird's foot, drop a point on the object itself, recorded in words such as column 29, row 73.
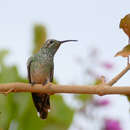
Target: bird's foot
column 48, row 85
column 33, row 83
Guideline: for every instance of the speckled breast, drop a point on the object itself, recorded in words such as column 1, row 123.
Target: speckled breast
column 39, row 72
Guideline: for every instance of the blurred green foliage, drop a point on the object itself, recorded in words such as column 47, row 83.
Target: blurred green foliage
column 40, row 37
column 128, row 97
column 17, row 111
column 83, row 97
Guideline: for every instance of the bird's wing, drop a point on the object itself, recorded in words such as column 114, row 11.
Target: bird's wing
column 51, row 73
column 28, row 68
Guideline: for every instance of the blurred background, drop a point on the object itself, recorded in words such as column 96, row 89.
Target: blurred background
column 25, row 25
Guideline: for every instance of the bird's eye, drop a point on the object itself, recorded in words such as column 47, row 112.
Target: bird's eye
column 51, row 42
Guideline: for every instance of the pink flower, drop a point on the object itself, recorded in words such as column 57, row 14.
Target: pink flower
column 103, row 102
column 107, row 65
column 111, row 124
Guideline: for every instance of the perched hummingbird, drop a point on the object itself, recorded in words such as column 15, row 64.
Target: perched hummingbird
column 40, row 71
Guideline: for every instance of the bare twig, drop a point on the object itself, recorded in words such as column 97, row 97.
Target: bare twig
column 102, row 80
column 9, row 91
column 118, row 76
column 51, row 88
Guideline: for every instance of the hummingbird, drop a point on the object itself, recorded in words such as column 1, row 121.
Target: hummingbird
column 41, row 70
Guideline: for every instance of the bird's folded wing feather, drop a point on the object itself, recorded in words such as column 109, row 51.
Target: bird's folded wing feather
column 30, row 60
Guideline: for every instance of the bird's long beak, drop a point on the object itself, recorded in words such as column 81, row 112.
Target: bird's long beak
column 68, row 41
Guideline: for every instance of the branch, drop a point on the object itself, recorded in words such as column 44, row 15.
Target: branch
column 50, row 88
column 118, row 76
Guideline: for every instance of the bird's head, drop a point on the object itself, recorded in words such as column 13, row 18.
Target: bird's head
column 52, row 45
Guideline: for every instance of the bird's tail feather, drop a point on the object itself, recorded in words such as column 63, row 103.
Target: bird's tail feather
column 42, row 103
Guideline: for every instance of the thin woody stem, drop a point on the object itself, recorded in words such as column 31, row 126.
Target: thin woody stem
column 102, row 89
column 118, row 76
